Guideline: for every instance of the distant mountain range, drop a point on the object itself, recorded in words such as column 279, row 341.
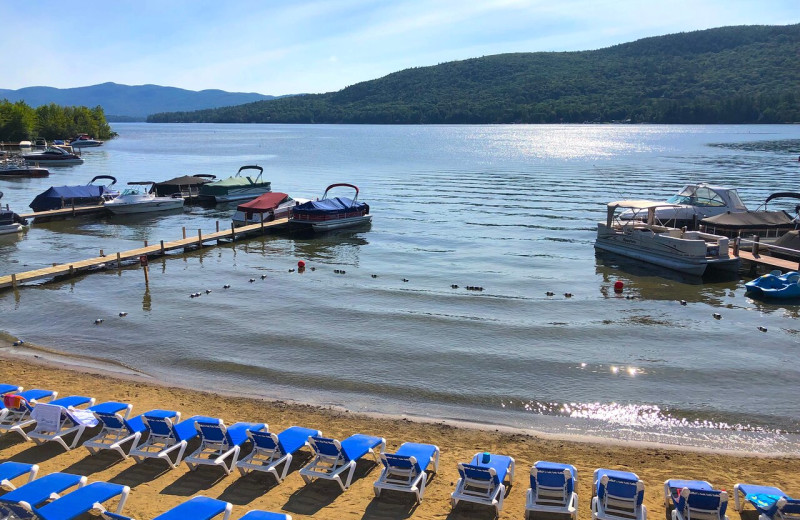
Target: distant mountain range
column 126, row 102
column 745, row 74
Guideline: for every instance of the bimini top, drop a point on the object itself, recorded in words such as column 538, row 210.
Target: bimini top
column 708, row 196
column 639, row 204
column 188, row 180
column 263, row 203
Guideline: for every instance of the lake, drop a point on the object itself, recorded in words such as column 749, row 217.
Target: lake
column 511, row 209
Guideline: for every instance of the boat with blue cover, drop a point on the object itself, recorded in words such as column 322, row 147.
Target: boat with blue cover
column 57, row 197
column 775, row 285
column 330, row 213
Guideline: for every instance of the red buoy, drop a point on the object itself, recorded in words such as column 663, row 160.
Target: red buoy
column 301, row 264
column 618, row 286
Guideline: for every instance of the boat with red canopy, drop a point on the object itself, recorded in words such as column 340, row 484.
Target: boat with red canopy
column 265, row 208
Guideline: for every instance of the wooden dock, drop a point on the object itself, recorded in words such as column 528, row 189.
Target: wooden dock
column 155, row 250
column 768, row 261
column 64, row 213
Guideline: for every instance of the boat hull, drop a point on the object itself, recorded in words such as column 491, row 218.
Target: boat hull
column 233, row 195
column 8, row 229
column 331, row 224
column 129, row 208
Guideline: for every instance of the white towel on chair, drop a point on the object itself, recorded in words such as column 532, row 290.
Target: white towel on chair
column 47, row 416
column 83, row 417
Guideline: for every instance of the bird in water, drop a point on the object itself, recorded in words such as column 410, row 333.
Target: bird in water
column 123, row 314
column 98, row 321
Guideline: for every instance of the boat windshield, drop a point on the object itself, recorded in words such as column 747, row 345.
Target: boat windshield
column 703, row 196
column 131, row 191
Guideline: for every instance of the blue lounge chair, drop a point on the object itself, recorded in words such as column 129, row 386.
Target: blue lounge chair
column 12, row 470
column 788, row 508
column 13, row 418
column 265, row 515
column 482, row 481
column 406, row 469
column 706, row 504
column 118, row 431
column 764, row 499
column 673, row 487
column 83, row 500
column 9, row 389
column 196, row 508
column 332, row 458
column 38, row 491
column 220, row 445
column 61, row 417
column 552, row 489
column 165, row 437
column 619, row 495
column 271, row 450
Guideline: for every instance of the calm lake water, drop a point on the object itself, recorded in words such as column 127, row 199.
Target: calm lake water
column 512, row 209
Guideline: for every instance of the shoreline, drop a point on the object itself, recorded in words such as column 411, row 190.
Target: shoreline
column 52, row 358
column 154, row 490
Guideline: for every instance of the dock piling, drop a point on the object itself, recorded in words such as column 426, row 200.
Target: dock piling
column 118, row 260
column 13, row 280
column 218, row 226
column 162, row 248
column 755, row 245
column 184, row 232
column 200, row 237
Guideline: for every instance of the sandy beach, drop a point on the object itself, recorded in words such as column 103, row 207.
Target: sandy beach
column 155, row 489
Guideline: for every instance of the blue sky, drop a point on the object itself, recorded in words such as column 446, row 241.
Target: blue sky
column 308, row 46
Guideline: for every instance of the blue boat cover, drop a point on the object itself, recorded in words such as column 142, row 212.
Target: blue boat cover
column 51, row 199
column 334, row 205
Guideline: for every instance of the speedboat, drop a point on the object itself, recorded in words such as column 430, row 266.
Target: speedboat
column 644, row 238
column 767, row 225
column 10, row 222
column 236, row 188
column 695, row 202
column 84, row 141
column 142, row 200
column 186, row 186
column 330, row 213
column 265, row 208
column 57, row 197
column 14, row 168
column 53, row 156
column 775, row 285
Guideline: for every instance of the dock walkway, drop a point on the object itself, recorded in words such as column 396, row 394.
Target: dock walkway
column 155, row 250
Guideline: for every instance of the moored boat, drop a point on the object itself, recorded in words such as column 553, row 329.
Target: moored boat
column 185, row 186
column 265, row 208
column 10, row 222
column 57, row 197
column 18, row 168
column 330, row 213
column 695, row 202
column 236, row 188
column 644, row 238
column 84, row 141
column 766, row 224
column 142, row 200
column 775, row 285
column 53, row 156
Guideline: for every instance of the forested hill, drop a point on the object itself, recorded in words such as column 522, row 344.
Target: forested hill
column 747, row 74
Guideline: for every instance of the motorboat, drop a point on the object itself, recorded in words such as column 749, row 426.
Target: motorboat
column 644, row 238
column 40, row 142
column 10, row 222
column 84, row 141
column 330, row 213
column 186, row 186
column 265, row 208
column 57, row 197
column 775, row 285
column 767, row 225
column 140, row 199
column 695, row 202
column 53, row 156
column 18, row 168
column 236, row 188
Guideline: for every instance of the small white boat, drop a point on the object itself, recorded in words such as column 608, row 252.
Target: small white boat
column 644, row 238
column 265, row 208
column 330, row 213
column 84, row 141
column 142, row 200
column 10, row 222
column 695, row 202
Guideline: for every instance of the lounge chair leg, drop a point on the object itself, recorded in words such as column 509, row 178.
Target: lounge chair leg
column 377, row 491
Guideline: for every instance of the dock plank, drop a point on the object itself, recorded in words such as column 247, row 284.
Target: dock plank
column 768, row 261
column 82, row 266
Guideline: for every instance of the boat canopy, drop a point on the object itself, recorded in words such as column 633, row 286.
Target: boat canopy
column 647, row 207
column 750, row 220
column 327, row 206
column 187, row 180
column 263, row 203
column 705, row 195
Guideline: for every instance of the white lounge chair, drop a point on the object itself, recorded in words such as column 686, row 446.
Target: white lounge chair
column 15, row 415
column 483, row 480
column 332, row 458
column 118, row 431
column 696, row 504
column 271, row 450
column 60, row 418
column 13, row 470
column 619, row 496
column 406, row 469
column 164, row 438
column 220, row 445
column 552, row 489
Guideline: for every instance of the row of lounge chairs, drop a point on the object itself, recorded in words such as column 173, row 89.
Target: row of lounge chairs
column 161, row 434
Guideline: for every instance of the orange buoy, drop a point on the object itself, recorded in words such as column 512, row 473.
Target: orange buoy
column 618, row 286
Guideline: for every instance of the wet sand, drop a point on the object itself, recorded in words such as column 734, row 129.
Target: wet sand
column 155, row 489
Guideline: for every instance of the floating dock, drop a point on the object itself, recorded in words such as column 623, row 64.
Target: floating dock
column 63, row 213
column 149, row 251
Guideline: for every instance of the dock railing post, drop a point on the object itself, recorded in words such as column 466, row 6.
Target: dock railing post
column 736, row 245
column 233, row 232
column 13, row 280
column 200, row 237
column 118, row 260
column 162, row 248
column 145, row 243
column 755, row 245
column 184, row 232
column 218, row 226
